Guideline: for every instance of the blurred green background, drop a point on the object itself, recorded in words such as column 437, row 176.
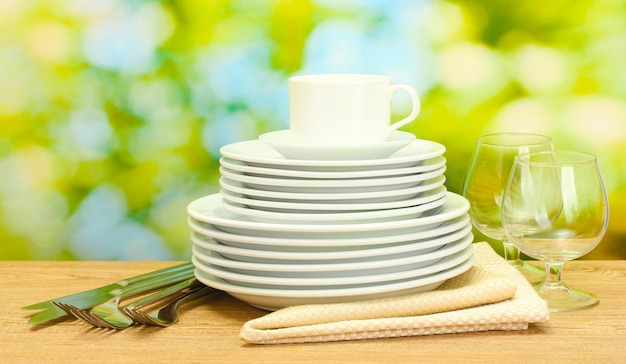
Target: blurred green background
column 112, row 112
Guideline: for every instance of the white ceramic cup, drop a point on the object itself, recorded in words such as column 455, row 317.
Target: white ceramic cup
column 336, row 109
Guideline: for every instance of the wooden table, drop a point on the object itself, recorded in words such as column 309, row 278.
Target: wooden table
column 208, row 332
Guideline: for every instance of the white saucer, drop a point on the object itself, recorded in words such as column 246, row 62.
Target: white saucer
column 296, row 207
column 287, row 144
column 210, row 209
column 359, row 253
column 257, row 153
column 273, row 299
column 420, row 167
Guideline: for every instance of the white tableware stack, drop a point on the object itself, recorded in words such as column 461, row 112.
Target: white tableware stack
column 298, row 222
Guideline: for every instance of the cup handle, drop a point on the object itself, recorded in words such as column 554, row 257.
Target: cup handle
column 416, row 105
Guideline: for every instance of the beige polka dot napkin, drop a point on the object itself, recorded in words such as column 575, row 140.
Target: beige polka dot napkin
column 492, row 295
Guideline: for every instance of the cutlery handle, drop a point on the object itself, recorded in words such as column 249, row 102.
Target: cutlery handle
column 165, row 313
column 156, row 273
column 162, row 294
column 155, row 283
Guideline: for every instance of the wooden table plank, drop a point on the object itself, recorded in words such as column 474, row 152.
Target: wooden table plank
column 208, row 331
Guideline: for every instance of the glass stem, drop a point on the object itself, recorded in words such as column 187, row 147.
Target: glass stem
column 511, row 253
column 553, row 275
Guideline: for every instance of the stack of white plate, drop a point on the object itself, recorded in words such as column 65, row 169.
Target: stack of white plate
column 289, row 231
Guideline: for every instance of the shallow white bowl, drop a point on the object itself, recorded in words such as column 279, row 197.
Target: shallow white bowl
column 287, row 144
column 295, row 254
column 337, row 218
column 331, row 268
column 349, row 198
column 287, row 211
column 209, row 209
column 357, row 185
column 322, row 244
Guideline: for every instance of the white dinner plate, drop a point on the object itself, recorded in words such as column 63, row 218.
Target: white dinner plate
column 333, row 244
column 363, row 197
column 287, row 144
column 322, row 282
column 210, row 209
column 273, row 299
column 331, row 268
column 279, row 210
column 257, row 153
column 253, row 253
column 420, row 167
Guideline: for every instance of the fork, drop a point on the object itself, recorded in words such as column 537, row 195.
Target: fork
column 97, row 314
column 110, row 316
column 97, row 295
column 171, row 296
column 169, row 314
column 164, row 295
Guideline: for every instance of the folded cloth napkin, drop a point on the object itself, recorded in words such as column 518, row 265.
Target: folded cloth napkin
column 492, row 295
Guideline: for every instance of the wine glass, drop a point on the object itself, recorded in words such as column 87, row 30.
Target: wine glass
column 555, row 209
column 484, row 185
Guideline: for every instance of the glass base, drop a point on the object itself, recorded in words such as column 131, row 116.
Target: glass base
column 561, row 297
column 533, row 274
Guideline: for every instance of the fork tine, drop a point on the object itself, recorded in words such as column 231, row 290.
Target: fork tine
column 138, row 318
column 72, row 311
column 67, row 310
column 147, row 320
column 98, row 321
column 82, row 315
column 119, row 319
column 136, row 315
column 129, row 313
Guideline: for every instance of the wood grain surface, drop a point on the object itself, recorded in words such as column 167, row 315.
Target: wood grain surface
column 208, row 331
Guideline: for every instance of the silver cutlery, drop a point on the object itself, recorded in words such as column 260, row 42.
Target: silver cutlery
column 162, row 308
column 96, row 313
column 95, row 296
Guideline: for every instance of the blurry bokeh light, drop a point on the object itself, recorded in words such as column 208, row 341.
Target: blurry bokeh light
column 113, row 112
